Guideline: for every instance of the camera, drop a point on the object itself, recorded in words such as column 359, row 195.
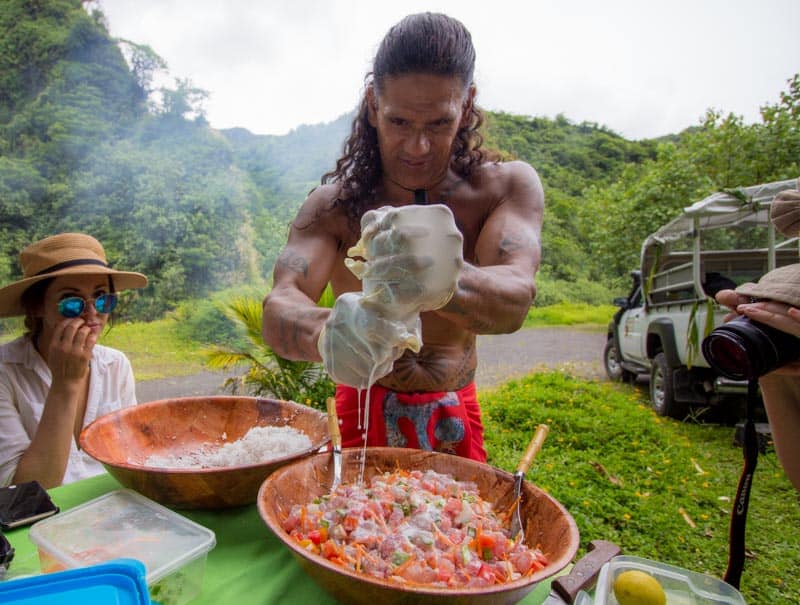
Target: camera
column 743, row 349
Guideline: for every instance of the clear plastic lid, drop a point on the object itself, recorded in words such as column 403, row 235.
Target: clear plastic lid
column 123, row 524
column 682, row 586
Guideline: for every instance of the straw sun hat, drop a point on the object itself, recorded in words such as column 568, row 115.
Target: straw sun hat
column 63, row 254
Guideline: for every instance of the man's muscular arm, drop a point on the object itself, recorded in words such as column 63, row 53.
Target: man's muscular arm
column 292, row 320
column 494, row 294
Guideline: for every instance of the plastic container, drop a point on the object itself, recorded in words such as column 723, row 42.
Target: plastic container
column 682, row 586
column 121, row 582
column 125, row 524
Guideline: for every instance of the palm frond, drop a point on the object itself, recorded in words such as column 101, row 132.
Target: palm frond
column 267, row 373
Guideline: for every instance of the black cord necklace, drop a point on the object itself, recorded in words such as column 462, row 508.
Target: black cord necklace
column 421, row 197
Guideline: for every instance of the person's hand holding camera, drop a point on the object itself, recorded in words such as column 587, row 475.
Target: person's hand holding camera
column 778, row 315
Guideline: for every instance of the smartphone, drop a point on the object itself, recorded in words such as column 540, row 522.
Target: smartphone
column 23, row 504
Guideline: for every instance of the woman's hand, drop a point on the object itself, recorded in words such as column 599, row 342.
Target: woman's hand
column 71, row 350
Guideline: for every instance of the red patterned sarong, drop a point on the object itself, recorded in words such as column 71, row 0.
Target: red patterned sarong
column 444, row 421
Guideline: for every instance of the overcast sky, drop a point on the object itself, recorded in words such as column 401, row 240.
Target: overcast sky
column 643, row 68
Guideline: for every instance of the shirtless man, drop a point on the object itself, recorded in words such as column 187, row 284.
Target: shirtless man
column 416, row 131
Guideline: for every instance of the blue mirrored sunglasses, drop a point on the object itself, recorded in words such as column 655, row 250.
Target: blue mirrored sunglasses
column 74, row 305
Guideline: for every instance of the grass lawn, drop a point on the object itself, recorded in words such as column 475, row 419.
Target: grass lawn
column 576, row 315
column 659, row 488
column 155, row 350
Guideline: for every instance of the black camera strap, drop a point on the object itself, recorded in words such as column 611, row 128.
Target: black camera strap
column 6, row 555
column 736, row 555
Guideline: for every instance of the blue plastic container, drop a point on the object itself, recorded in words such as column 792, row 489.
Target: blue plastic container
column 118, row 582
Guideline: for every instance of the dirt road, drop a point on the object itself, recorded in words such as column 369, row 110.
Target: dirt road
column 501, row 357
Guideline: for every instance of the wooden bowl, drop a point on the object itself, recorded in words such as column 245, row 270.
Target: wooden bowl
column 547, row 524
column 124, row 440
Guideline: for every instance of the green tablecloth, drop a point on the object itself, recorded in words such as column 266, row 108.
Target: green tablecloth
column 248, row 565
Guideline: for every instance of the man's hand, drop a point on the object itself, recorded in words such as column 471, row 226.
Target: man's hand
column 358, row 346
column 413, row 258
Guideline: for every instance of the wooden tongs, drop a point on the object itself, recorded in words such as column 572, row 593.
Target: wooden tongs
column 524, row 464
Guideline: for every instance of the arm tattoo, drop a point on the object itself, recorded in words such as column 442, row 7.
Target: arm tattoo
column 509, row 245
column 293, row 262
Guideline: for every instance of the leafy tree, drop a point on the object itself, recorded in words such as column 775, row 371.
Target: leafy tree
column 182, row 100
column 145, row 63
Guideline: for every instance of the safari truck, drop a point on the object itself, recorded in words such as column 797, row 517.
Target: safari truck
column 718, row 242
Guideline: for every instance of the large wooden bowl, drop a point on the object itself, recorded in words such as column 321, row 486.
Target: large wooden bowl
column 124, row 440
column 547, row 524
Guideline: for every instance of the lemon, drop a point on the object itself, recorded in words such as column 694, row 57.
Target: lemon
column 634, row 587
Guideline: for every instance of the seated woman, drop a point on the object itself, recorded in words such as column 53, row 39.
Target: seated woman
column 55, row 379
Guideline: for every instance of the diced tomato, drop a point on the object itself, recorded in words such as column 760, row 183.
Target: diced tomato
column 329, row 549
column 350, row 522
column 486, row 541
column 489, row 574
column 318, row 535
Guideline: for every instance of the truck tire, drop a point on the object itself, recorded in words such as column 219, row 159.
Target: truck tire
column 662, row 390
column 614, row 369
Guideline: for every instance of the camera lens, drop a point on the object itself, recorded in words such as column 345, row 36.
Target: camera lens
column 743, row 349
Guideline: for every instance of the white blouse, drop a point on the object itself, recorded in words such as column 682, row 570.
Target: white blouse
column 25, row 381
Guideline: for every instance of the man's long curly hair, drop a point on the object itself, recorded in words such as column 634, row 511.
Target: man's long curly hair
column 427, row 43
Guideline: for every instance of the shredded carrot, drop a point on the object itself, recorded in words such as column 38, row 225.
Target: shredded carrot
column 378, row 518
column 404, row 565
column 367, row 555
column 507, row 515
